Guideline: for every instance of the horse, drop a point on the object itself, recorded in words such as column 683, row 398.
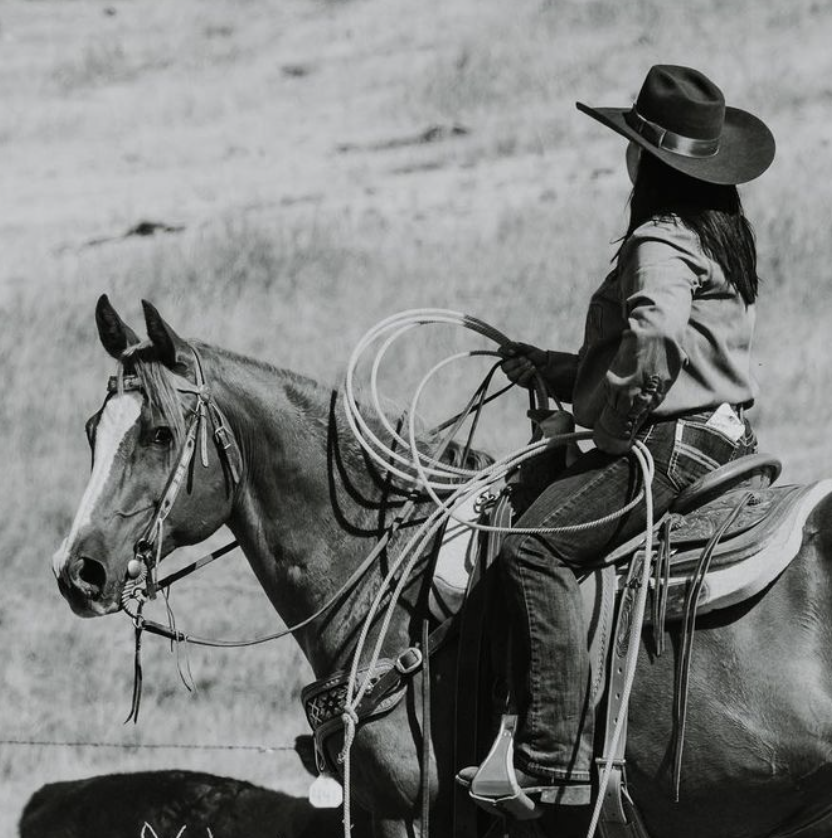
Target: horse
column 307, row 508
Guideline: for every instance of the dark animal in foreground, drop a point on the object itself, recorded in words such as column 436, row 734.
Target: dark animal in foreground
column 119, row 806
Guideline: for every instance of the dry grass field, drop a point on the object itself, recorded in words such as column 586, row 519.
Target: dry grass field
column 325, row 164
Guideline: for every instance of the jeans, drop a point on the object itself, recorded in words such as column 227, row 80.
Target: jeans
column 550, row 677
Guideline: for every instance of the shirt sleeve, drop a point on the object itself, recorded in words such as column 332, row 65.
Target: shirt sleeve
column 662, row 267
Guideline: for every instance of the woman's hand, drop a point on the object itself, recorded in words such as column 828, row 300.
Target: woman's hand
column 521, row 361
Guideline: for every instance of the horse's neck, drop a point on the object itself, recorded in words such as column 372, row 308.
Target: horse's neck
column 310, row 508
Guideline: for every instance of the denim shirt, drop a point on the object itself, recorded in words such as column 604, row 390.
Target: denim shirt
column 666, row 334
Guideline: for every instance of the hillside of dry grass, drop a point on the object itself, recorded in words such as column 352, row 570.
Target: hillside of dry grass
column 331, row 163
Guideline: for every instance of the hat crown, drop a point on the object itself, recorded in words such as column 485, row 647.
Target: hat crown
column 682, row 100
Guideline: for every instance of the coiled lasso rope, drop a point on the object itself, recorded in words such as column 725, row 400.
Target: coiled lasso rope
column 426, row 473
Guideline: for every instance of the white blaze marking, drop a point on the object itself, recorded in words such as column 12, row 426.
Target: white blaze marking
column 118, row 417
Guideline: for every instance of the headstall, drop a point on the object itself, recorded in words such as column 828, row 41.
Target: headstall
column 142, row 583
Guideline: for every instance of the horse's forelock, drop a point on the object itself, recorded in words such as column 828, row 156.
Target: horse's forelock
column 159, row 387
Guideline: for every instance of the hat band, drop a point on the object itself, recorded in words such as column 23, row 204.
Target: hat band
column 670, row 140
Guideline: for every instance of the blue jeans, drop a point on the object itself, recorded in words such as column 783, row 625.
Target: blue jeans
column 550, row 662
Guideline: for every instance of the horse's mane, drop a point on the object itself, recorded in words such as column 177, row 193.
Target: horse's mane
column 311, row 397
column 314, row 399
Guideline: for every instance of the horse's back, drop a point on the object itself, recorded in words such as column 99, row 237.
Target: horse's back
column 758, row 738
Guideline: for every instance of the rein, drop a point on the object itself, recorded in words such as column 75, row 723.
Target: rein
column 142, row 583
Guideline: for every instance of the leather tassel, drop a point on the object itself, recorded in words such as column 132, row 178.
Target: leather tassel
column 137, row 677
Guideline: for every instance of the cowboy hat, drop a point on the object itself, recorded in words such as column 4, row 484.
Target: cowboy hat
column 681, row 118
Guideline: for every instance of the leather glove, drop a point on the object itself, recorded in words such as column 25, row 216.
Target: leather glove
column 521, row 361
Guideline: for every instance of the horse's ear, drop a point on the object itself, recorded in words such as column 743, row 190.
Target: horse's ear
column 171, row 350
column 114, row 333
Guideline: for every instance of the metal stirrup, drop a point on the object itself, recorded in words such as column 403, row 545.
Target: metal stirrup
column 495, row 786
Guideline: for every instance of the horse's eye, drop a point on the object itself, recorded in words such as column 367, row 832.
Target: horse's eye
column 162, row 436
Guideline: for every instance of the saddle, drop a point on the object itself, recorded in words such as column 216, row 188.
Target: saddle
column 723, row 541
column 752, row 550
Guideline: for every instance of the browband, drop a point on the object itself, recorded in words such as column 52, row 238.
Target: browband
column 123, row 383
column 670, row 140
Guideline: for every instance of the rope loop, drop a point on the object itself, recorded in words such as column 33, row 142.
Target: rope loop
column 350, row 719
column 449, row 487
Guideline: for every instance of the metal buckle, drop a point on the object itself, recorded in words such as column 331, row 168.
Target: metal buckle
column 409, row 661
column 620, row 764
column 484, row 501
column 144, row 552
column 222, row 437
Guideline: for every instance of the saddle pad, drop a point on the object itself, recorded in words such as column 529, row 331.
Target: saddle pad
column 742, row 566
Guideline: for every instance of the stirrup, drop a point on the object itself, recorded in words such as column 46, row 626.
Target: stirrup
column 495, row 786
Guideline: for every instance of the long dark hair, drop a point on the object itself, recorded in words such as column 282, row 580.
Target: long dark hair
column 712, row 211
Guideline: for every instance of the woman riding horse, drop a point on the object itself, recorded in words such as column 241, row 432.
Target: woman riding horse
column 666, row 361
column 308, row 508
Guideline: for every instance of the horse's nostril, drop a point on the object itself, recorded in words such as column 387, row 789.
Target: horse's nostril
column 91, row 572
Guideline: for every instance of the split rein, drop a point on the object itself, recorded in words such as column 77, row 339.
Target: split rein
column 142, row 583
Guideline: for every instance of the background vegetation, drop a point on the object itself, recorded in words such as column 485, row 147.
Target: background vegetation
column 332, row 163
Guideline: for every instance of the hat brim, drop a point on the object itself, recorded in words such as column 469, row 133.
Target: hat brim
column 746, row 146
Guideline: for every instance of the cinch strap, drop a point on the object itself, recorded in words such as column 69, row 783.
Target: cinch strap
column 670, row 140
